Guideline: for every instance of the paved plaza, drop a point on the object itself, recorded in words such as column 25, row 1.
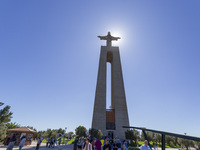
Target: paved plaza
column 42, row 147
column 62, row 147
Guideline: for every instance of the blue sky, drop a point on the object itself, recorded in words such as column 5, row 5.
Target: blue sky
column 49, row 55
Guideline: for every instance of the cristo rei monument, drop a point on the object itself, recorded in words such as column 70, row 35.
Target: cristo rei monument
column 110, row 121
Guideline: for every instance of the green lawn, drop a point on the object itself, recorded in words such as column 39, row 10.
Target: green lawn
column 69, row 142
column 151, row 143
column 160, row 145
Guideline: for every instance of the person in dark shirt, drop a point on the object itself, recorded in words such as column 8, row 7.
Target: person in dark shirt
column 115, row 147
column 12, row 142
column 106, row 146
column 75, row 143
column 38, row 143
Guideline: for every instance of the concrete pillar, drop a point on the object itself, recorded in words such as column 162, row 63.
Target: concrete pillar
column 118, row 98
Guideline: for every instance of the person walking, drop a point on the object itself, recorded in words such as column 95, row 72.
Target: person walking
column 53, row 142
column 59, row 141
column 12, row 142
column 87, row 145
column 38, row 143
column 48, row 140
column 8, row 140
column 145, row 146
column 22, row 142
column 98, row 144
column 75, row 143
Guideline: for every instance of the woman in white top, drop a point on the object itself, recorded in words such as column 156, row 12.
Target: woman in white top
column 87, row 145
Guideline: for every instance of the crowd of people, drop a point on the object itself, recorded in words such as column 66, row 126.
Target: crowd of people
column 95, row 144
column 109, row 144
column 84, row 144
column 39, row 141
column 51, row 142
column 12, row 140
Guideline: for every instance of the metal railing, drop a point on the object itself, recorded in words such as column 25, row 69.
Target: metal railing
column 163, row 133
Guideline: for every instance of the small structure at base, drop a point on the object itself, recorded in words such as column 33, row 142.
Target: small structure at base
column 19, row 132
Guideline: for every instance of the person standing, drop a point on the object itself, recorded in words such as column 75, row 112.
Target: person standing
column 154, row 145
column 106, row 145
column 93, row 144
column 7, row 141
column 22, row 142
column 75, row 143
column 119, row 145
column 59, row 141
column 53, row 142
column 87, row 145
column 124, row 145
column 98, row 144
column 12, row 143
column 145, row 146
column 115, row 145
column 48, row 140
column 196, row 147
column 137, row 144
column 38, row 143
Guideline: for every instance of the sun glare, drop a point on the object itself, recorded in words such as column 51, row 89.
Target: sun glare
column 124, row 41
column 121, row 31
column 117, row 33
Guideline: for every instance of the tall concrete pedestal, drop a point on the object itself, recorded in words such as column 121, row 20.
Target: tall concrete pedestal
column 110, row 121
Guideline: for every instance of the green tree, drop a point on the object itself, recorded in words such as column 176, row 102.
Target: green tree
column 30, row 127
column 168, row 139
column 185, row 142
column 54, row 133
column 157, row 137
column 2, row 131
column 5, row 115
column 71, row 134
column 41, row 134
column 12, row 125
column 174, row 141
column 95, row 133
column 81, row 131
column 99, row 134
column 62, row 131
column 129, row 135
column 48, row 132
column 149, row 136
column 132, row 135
column 136, row 134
